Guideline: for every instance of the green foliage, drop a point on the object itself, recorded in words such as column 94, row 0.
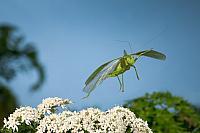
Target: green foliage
column 166, row 113
column 7, row 103
column 23, row 128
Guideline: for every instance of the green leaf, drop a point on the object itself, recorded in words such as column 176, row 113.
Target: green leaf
column 151, row 53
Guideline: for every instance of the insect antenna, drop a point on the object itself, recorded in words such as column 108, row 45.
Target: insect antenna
column 156, row 36
column 128, row 44
column 148, row 41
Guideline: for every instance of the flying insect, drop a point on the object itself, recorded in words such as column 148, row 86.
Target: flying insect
column 117, row 67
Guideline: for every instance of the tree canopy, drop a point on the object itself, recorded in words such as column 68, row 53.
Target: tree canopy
column 16, row 55
column 166, row 113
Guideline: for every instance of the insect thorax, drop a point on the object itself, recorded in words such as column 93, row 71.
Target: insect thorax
column 124, row 64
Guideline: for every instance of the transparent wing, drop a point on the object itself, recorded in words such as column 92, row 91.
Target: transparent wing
column 100, row 76
column 151, row 53
column 93, row 75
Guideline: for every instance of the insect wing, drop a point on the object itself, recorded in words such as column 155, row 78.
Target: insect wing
column 100, row 75
column 93, row 75
column 151, row 53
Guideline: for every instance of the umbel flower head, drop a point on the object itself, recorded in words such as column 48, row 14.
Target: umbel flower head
column 49, row 104
column 92, row 120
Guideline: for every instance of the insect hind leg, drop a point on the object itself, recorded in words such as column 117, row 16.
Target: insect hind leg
column 121, row 83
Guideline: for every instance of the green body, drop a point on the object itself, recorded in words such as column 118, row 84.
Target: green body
column 124, row 64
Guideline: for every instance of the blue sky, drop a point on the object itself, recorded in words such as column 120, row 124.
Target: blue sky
column 75, row 37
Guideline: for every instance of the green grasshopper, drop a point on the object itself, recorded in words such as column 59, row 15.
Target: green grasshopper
column 117, row 67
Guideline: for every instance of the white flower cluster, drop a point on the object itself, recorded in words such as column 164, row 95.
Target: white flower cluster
column 22, row 115
column 115, row 120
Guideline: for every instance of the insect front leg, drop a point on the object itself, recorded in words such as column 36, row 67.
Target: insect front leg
column 136, row 72
column 120, row 83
